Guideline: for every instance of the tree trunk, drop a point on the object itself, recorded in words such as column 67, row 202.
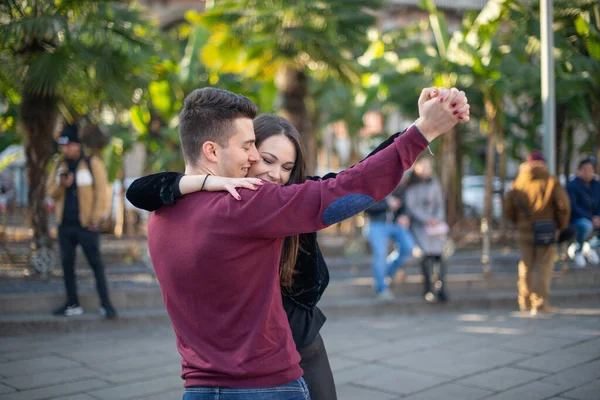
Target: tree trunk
column 501, row 148
column 448, row 175
column 293, row 89
column 596, row 128
column 561, row 117
column 38, row 115
column 568, row 151
column 458, row 163
column 490, row 158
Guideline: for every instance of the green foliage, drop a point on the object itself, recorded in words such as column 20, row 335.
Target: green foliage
column 86, row 53
column 255, row 38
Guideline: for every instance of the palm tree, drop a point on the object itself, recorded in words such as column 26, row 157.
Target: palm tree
column 70, row 57
column 289, row 40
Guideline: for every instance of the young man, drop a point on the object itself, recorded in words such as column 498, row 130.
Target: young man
column 217, row 258
column 584, row 192
column 78, row 186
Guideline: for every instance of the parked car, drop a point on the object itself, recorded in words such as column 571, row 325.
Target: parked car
column 473, row 195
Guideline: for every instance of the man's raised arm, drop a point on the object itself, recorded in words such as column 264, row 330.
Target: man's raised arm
column 277, row 211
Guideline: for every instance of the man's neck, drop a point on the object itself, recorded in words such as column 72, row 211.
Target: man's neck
column 202, row 169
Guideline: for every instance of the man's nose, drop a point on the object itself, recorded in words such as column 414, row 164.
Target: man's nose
column 253, row 155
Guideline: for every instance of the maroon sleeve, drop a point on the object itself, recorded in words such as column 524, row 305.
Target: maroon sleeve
column 277, row 211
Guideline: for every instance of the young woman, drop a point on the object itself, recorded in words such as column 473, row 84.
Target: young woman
column 426, row 206
column 303, row 272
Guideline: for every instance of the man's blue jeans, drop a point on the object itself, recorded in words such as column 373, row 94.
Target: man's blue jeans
column 296, row 390
column 379, row 233
column 585, row 228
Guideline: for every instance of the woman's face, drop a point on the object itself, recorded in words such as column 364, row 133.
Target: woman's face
column 277, row 160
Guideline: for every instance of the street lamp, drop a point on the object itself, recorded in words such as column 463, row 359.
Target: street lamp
column 548, row 97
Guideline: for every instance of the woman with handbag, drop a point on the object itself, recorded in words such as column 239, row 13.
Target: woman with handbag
column 426, row 208
column 539, row 208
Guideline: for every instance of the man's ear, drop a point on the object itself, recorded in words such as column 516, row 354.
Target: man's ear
column 210, row 150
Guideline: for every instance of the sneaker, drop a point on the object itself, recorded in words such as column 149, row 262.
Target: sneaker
column 572, row 250
column 386, row 295
column 108, row 311
column 592, row 257
column 68, row 310
column 544, row 309
column 579, row 260
column 430, row 297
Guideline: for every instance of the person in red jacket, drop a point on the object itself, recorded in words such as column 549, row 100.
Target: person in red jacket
column 217, row 258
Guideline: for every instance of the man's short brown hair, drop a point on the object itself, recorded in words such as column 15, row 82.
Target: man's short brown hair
column 207, row 115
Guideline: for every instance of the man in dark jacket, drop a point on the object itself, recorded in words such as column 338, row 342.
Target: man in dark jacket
column 584, row 193
column 536, row 196
column 388, row 220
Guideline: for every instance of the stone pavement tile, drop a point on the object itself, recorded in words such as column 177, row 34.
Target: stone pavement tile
column 501, row 379
column 556, row 361
column 427, row 342
column 590, row 391
column 530, row 391
column 102, row 354
column 450, row 391
column 76, row 397
column 492, row 358
column 338, row 362
column 338, row 343
column 468, row 344
column 53, row 377
column 35, row 365
column 535, row 344
column 455, row 365
column 402, row 381
column 353, row 392
column 375, row 352
column 437, row 365
column 57, row 391
column 144, row 374
column 573, row 332
column 493, row 332
column 587, row 347
column 575, row 376
column 169, row 395
column 353, row 374
column 135, row 363
column 29, row 354
column 6, row 389
column 138, row 389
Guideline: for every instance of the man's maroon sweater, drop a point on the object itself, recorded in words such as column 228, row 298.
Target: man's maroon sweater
column 217, row 262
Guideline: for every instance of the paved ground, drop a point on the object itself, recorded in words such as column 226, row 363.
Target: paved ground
column 454, row 355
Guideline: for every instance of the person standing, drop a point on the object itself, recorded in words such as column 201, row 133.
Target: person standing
column 535, row 202
column 78, row 185
column 426, row 207
column 584, row 193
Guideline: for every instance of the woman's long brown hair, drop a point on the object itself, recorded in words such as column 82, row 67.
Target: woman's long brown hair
column 265, row 126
